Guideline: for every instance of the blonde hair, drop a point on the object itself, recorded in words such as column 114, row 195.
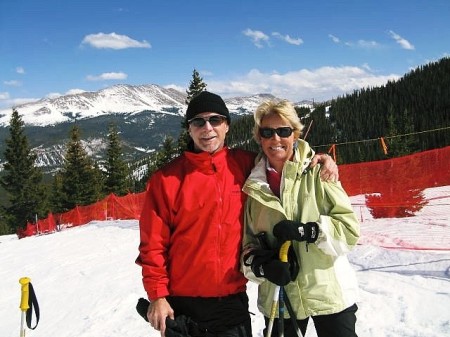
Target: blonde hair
column 282, row 108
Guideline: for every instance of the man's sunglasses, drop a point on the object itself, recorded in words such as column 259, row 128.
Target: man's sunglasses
column 283, row 132
column 213, row 120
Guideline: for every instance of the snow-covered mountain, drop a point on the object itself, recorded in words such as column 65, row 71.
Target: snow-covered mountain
column 118, row 99
column 115, row 99
column 144, row 114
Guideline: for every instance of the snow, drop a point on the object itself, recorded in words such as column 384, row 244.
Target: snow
column 115, row 99
column 88, row 285
column 123, row 99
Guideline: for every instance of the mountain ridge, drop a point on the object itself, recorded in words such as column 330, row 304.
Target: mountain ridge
column 121, row 99
column 143, row 114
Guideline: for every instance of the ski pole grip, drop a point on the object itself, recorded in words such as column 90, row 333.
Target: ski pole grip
column 25, row 293
column 284, row 251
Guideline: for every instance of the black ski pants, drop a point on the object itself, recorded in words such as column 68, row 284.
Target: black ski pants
column 341, row 324
column 243, row 330
column 215, row 316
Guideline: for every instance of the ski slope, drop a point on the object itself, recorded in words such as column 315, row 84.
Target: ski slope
column 87, row 283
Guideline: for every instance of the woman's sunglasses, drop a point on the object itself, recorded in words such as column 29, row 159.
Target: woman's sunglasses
column 213, row 120
column 283, row 132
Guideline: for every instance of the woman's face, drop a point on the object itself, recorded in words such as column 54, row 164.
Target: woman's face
column 277, row 149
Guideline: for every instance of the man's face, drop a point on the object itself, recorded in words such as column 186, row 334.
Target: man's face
column 211, row 136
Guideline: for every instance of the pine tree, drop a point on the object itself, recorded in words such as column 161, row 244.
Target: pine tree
column 161, row 158
column 81, row 182
column 400, row 124
column 57, row 195
column 196, row 86
column 99, row 178
column 116, row 169
column 167, row 153
column 240, row 134
column 22, row 180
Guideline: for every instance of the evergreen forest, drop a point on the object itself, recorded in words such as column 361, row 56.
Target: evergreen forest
column 409, row 115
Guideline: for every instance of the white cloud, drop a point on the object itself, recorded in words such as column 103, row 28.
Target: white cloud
column 205, row 73
column 23, row 100
column 288, row 39
column 13, row 83
column 405, row 44
column 257, row 37
column 176, row 87
column 75, row 91
column 321, row 84
column 367, row 44
column 7, row 103
column 4, row 96
column 334, row 38
column 362, row 44
column 53, row 95
column 68, row 92
column 260, row 39
column 367, row 67
column 107, row 77
column 113, row 41
column 20, row 70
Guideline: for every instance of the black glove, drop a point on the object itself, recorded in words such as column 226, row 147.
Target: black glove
column 265, row 263
column 181, row 326
column 287, row 230
column 142, row 307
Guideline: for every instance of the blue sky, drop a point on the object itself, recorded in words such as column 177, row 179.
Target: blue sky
column 293, row 49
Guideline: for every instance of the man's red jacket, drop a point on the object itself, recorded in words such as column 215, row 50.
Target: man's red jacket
column 192, row 223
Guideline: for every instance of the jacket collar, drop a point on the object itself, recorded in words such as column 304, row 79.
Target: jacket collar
column 206, row 162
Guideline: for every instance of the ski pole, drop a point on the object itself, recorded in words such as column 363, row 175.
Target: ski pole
column 292, row 315
column 24, row 299
column 284, row 297
column 276, row 295
column 273, row 311
column 281, row 313
column 283, row 258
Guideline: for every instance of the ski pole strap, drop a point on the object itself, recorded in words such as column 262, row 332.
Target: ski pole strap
column 34, row 306
column 28, row 302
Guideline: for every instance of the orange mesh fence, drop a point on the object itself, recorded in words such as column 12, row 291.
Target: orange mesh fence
column 414, row 172
column 400, row 189
column 397, row 189
column 126, row 207
column 110, row 208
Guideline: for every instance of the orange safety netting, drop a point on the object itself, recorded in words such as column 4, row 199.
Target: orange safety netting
column 110, row 208
column 392, row 188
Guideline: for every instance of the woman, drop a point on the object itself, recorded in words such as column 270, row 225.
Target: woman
column 287, row 201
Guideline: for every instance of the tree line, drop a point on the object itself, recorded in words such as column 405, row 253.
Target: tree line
column 409, row 115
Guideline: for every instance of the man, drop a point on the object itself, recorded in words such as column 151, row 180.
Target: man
column 191, row 230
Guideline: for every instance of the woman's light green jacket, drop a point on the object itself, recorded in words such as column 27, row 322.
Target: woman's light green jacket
column 326, row 282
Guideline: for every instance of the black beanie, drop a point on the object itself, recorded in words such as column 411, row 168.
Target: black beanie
column 207, row 102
